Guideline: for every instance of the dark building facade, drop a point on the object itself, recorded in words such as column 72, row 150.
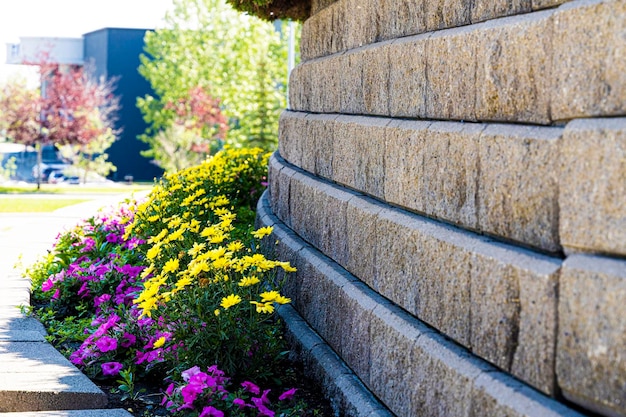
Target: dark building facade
column 114, row 53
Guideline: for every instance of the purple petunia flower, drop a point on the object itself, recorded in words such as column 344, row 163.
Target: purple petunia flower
column 251, row 387
column 211, row 412
column 106, row 344
column 128, row 340
column 111, row 368
column 287, row 395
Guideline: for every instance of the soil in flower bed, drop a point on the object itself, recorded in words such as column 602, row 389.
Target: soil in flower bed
column 148, row 403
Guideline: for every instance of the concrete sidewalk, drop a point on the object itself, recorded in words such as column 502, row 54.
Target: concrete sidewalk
column 35, row 379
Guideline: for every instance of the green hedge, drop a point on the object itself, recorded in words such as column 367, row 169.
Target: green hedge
column 297, row 10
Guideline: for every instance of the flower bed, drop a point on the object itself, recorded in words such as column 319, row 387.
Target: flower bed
column 174, row 289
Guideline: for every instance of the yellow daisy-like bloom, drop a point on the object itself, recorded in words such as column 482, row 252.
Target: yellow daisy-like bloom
column 235, row 246
column 274, row 296
column 248, row 281
column 216, row 312
column 286, row 266
column 154, row 251
column 147, row 271
column 218, row 238
column 196, row 248
column 267, row 308
column 262, row 232
column 159, row 237
column 159, row 342
column 177, row 235
column 170, row 266
column 231, row 300
column 182, row 283
column 153, row 218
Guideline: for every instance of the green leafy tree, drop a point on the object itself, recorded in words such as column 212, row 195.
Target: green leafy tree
column 238, row 59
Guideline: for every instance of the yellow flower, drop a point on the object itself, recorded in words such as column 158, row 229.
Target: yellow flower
column 159, row 237
column 275, row 296
column 218, row 238
column 154, row 251
column 177, row 235
column 263, row 231
column 159, row 342
column 263, row 307
column 182, row 283
column 247, row 281
column 170, row 266
column 216, row 312
column 230, row 301
column 235, row 246
column 286, row 266
column 196, row 248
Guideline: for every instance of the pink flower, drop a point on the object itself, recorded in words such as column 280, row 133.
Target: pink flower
column 251, row 387
column 106, row 344
column 190, row 393
column 287, row 395
column 263, row 410
column 111, row 368
column 189, row 373
column 47, row 285
column 211, row 412
column 128, row 340
column 240, row 403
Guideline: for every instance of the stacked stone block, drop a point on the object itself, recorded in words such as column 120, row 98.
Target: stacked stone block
column 451, row 183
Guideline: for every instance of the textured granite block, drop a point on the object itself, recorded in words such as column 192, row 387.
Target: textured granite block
column 279, row 188
column 591, row 360
column 362, row 170
column 321, row 131
column 376, row 78
column 513, row 70
column 350, row 66
column 407, row 77
column 318, row 5
column 422, row 272
column 513, row 311
column 361, row 214
column 392, row 346
column 332, row 201
column 354, row 315
column 447, row 184
column 291, row 136
column 488, row 9
column 304, row 218
column 317, row 35
column 593, row 186
column 496, row 394
column 446, row 13
column 518, row 185
column 451, row 74
column 300, row 87
column 588, row 77
column 357, row 28
column 401, row 18
column 404, row 161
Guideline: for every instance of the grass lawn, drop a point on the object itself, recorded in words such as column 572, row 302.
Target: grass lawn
column 71, row 189
column 35, row 205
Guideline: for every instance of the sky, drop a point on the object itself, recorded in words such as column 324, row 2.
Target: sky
column 71, row 18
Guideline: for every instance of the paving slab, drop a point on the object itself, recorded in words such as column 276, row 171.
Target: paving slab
column 117, row 412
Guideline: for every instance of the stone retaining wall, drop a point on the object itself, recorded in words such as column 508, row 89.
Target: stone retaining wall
column 451, row 184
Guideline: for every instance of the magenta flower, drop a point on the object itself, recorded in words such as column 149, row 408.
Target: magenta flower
column 47, row 285
column 250, row 387
column 106, row 344
column 190, row 393
column 111, row 368
column 263, row 410
column 240, row 403
column 211, row 412
column 287, row 395
column 101, row 299
column 128, row 340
